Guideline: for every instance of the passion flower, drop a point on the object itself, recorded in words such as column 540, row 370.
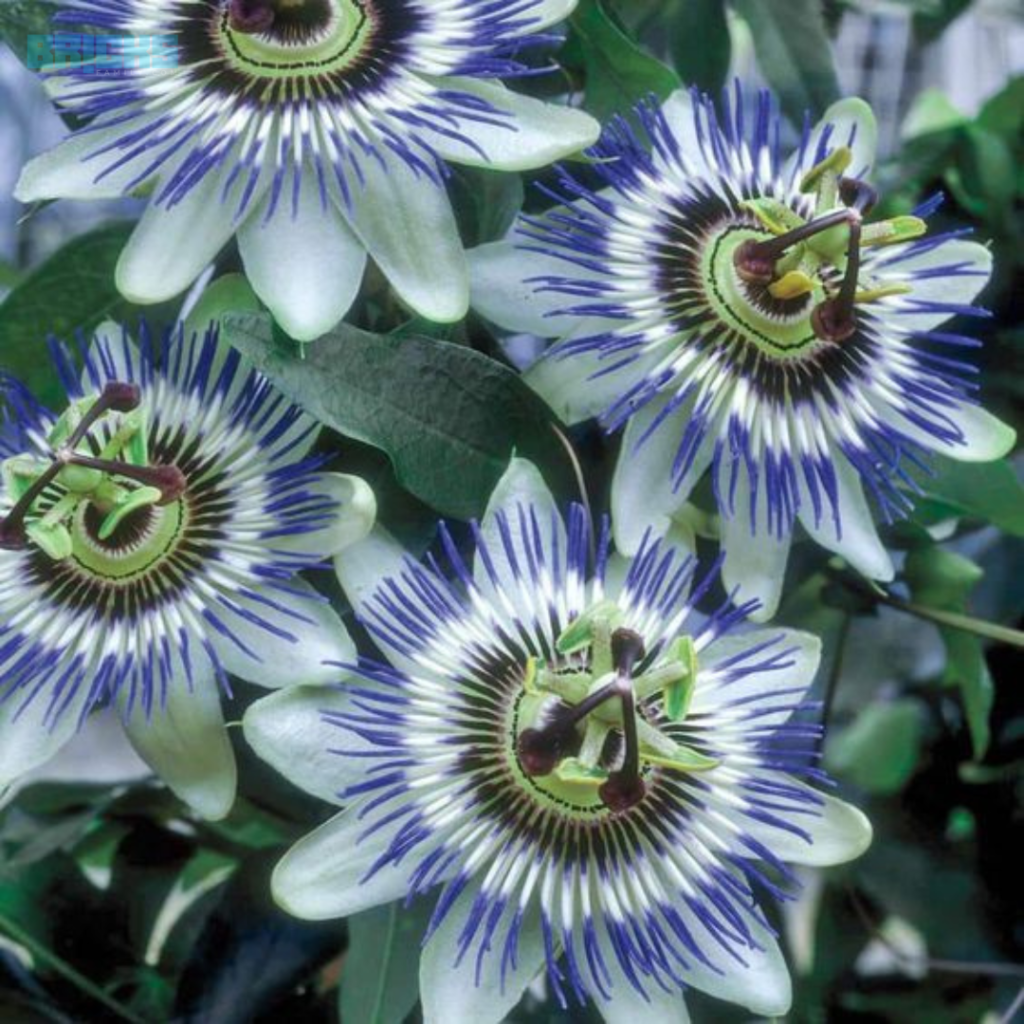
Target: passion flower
column 596, row 776
column 150, row 541
column 316, row 130
column 744, row 316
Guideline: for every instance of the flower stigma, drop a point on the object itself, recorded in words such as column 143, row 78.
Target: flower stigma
column 589, row 727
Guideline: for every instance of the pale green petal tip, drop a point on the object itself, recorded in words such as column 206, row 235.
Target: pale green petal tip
column 357, row 512
column 988, row 438
column 290, row 890
column 842, row 834
column 211, row 798
column 521, row 484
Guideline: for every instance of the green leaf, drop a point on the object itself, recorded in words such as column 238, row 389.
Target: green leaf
column 618, row 73
column 880, row 750
column 1004, row 112
column 793, row 53
column 981, row 490
column 71, row 291
column 487, row 202
column 21, row 18
column 448, row 417
column 380, row 981
column 944, row 580
column 700, row 44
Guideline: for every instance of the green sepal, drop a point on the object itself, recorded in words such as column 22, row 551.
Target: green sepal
column 684, row 759
column 678, row 695
column 580, row 634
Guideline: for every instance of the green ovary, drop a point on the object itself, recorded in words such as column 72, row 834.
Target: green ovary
column 124, row 564
column 330, row 48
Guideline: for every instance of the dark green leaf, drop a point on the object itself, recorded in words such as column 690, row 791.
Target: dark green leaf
column 251, row 957
column 487, row 202
column 448, row 417
column 880, row 750
column 618, row 73
column 982, row 490
column 380, row 978
column 71, row 291
column 793, row 53
column 21, row 18
column 929, row 24
column 700, row 44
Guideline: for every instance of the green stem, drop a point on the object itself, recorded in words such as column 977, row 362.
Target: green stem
column 42, row 954
column 957, row 620
column 940, row 616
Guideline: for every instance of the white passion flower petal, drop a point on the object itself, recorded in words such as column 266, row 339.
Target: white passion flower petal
column 303, row 260
column 83, row 166
column 521, row 526
column 347, row 512
column 280, row 636
column 463, row 987
column 171, row 245
column 295, row 731
column 33, row 730
column 646, row 490
column 848, row 122
column 333, row 872
column 528, row 133
column 405, row 220
column 184, row 740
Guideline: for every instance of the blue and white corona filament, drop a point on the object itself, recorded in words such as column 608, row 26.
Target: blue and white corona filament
column 596, row 775
column 317, row 130
column 150, row 540
column 740, row 314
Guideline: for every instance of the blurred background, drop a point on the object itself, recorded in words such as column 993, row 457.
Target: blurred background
column 151, row 916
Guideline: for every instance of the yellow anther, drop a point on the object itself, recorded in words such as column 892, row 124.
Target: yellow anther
column 835, row 163
column 791, row 285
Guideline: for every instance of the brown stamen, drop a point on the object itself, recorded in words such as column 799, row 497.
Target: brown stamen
column 835, row 319
column 169, row 480
column 857, row 194
column 251, row 17
column 755, row 261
